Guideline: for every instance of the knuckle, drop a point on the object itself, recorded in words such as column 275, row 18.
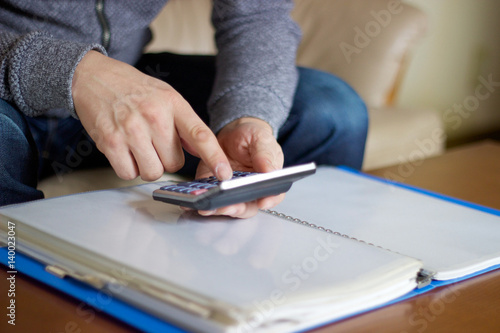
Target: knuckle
column 170, row 99
column 172, row 96
column 152, row 115
column 150, row 168
column 146, row 105
column 127, row 174
column 200, row 132
column 173, row 166
column 173, row 161
column 111, row 141
column 151, row 175
column 131, row 126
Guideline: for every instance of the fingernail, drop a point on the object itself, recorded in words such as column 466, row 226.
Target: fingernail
column 228, row 211
column 267, row 205
column 223, row 171
column 206, row 212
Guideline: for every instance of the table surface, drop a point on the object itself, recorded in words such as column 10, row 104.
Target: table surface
column 469, row 172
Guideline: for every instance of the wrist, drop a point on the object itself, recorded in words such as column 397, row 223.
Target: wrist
column 83, row 67
column 250, row 121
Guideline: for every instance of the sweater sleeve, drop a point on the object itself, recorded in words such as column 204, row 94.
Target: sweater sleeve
column 36, row 71
column 256, row 71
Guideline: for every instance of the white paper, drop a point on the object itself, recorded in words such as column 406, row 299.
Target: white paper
column 246, row 263
column 451, row 239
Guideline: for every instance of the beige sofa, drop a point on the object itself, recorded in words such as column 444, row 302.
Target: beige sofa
column 367, row 43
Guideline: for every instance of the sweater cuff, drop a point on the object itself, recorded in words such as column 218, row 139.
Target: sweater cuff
column 248, row 101
column 42, row 73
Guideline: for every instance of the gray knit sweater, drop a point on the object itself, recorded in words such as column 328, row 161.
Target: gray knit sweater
column 42, row 41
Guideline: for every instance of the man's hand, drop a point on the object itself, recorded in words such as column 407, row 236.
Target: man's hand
column 140, row 123
column 250, row 146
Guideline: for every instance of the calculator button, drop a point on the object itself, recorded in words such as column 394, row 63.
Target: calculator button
column 195, row 184
column 206, row 180
column 185, row 184
column 206, row 186
column 199, row 186
column 198, row 191
column 184, row 189
column 168, row 188
column 238, row 174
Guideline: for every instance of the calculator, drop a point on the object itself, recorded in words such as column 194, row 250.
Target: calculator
column 210, row 193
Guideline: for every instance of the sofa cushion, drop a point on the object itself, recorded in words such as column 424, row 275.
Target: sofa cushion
column 401, row 136
column 363, row 42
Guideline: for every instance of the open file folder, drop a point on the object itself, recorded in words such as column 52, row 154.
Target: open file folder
column 267, row 273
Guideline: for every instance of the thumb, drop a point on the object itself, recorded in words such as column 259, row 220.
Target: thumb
column 267, row 156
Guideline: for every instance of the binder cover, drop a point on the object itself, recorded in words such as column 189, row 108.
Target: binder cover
column 149, row 323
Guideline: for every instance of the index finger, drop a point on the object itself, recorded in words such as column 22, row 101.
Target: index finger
column 200, row 138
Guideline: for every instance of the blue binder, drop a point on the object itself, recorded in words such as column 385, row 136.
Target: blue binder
column 146, row 322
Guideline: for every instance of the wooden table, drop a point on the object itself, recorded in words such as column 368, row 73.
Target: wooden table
column 471, row 173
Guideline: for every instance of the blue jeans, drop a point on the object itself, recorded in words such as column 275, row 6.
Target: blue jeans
column 327, row 124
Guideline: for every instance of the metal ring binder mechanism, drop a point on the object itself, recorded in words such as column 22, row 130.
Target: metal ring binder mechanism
column 168, row 267
column 424, row 277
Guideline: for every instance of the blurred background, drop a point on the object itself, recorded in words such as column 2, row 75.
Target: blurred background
column 418, row 75
column 461, row 45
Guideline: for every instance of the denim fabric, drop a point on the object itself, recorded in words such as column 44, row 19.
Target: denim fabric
column 63, row 146
column 18, row 158
column 327, row 124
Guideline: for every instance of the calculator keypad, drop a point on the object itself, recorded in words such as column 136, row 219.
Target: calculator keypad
column 200, row 186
